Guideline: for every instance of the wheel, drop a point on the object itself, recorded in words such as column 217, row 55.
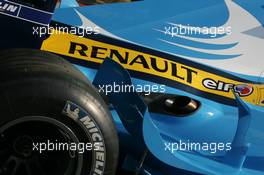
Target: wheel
column 53, row 121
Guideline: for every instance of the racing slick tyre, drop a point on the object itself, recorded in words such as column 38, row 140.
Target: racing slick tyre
column 52, row 120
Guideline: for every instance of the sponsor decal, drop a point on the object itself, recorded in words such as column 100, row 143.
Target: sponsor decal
column 132, row 60
column 99, row 153
column 9, row 8
column 93, row 51
column 242, row 89
column 25, row 13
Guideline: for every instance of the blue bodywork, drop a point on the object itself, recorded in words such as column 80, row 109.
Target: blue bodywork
column 238, row 126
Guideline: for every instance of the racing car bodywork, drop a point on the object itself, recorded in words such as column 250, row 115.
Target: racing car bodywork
column 210, row 85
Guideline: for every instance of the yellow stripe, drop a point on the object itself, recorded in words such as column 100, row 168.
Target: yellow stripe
column 60, row 44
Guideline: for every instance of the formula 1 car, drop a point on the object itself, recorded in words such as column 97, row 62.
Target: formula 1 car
column 153, row 87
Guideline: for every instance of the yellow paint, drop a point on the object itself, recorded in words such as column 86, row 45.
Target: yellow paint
column 60, row 44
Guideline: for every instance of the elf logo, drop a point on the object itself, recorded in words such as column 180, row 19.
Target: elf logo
column 241, row 89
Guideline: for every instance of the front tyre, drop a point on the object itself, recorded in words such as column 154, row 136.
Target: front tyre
column 52, row 120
